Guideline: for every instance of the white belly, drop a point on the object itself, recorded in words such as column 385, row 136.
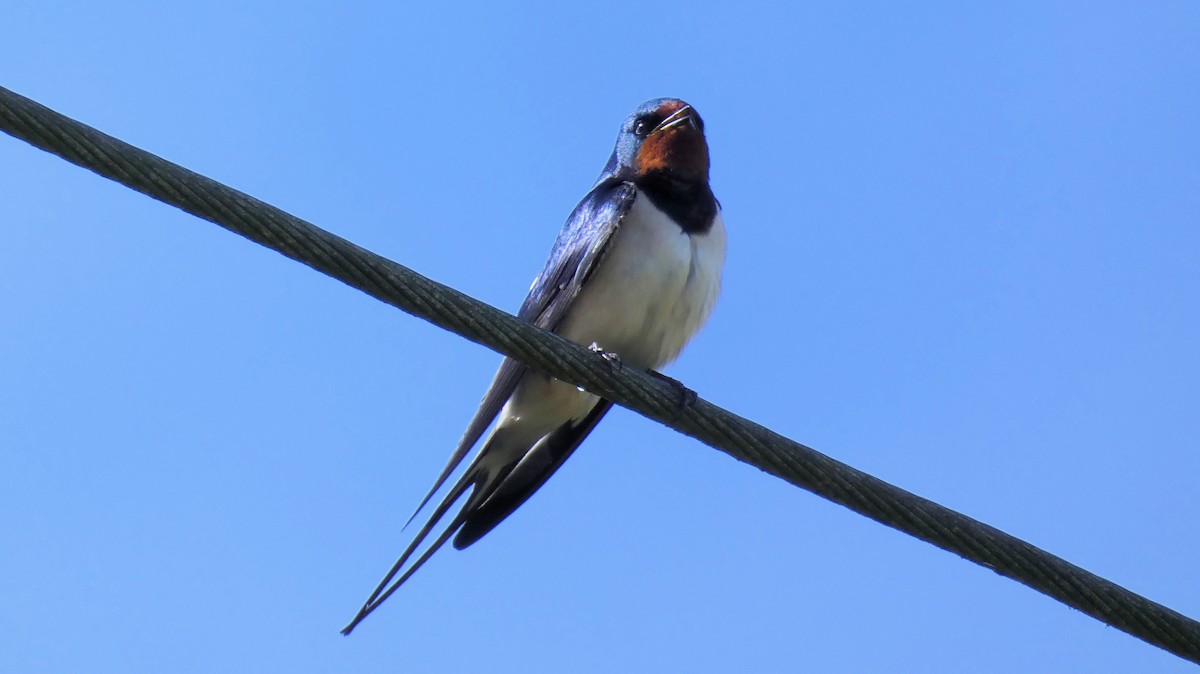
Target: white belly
column 653, row 290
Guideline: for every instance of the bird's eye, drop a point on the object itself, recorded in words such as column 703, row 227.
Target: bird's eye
column 641, row 128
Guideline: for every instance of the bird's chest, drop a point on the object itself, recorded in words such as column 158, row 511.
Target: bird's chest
column 653, row 289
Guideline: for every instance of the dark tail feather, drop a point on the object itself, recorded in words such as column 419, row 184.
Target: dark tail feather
column 491, row 500
column 498, row 393
column 372, row 605
column 453, row 463
column 484, row 487
column 379, row 595
column 527, row 477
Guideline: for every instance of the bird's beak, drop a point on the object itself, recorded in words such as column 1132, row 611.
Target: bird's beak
column 684, row 115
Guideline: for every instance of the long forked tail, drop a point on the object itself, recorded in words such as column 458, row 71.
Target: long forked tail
column 496, row 494
column 382, row 591
column 498, row 393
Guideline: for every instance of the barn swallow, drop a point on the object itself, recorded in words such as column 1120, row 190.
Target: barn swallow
column 634, row 273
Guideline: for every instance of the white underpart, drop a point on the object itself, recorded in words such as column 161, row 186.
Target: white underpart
column 653, row 290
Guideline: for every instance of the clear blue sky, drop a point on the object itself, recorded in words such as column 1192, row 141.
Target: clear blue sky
column 964, row 256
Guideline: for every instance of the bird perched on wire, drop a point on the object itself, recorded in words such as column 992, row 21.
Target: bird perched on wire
column 634, row 273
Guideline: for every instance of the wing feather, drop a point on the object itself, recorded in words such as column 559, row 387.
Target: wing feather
column 577, row 250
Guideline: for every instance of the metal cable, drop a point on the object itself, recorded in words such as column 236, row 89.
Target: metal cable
column 648, row 395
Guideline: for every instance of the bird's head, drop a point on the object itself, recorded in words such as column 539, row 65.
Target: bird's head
column 663, row 136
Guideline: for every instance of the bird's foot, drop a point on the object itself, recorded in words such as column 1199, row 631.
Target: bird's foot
column 686, row 395
column 613, row 360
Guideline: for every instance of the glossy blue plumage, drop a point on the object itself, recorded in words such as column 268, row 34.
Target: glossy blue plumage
column 577, row 247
